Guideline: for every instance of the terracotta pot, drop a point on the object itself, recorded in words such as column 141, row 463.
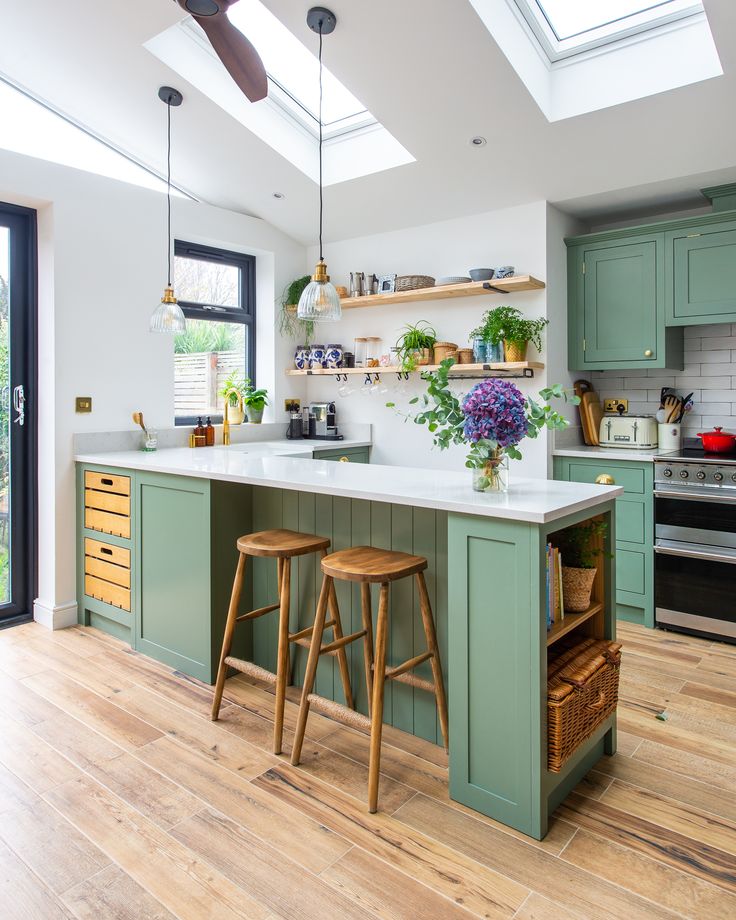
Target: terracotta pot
column 577, row 586
column 515, row 351
column 423, row 356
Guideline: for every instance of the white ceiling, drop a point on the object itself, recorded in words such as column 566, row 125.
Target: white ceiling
column 429, row 71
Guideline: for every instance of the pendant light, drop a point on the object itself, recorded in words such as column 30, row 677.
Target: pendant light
column 320, row 302
column 168, row 317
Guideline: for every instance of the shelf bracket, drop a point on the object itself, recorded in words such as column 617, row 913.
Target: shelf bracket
column 492, row 287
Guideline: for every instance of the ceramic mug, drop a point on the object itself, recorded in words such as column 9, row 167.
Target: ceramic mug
column 333, row 356
column 316, row 357
column 505, row 271
column 301, row 357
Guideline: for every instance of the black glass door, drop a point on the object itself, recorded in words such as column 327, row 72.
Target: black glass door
column 17, row 411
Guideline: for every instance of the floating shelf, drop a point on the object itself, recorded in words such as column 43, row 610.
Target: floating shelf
column 512, row 285
column 507, row 368
column 570, row 621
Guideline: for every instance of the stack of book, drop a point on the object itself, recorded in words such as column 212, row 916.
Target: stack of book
column 555, row 600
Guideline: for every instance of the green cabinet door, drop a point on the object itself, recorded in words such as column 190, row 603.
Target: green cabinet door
column 351, row 455
column 701, row 274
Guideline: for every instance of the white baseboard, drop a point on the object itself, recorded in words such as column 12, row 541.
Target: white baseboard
column 58, row 617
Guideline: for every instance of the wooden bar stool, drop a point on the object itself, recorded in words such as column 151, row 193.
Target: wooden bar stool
column 367, row 565
column 281, row 545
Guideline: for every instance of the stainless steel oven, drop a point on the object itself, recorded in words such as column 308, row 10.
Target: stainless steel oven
column 695, row 545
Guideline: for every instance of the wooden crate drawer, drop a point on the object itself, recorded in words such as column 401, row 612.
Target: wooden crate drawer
column 107, row 552
column 107, row 592
column 107, row 571
column 107, row 482
column 107, row 501
column 104, row 521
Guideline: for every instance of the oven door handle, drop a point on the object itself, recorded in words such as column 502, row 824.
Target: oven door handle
column 687, row 496
column 694, row 554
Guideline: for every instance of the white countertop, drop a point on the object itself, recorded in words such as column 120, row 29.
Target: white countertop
column 611, row 453
column 533, row 500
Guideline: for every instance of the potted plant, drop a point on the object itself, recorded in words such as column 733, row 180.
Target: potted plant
column 491, row 420
column 289, row 323
column 580, row 551
column 233, row 390
column 254, row 402
column 507, row 325
column 414, row 345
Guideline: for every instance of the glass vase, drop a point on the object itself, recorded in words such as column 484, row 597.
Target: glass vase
column 493, row 476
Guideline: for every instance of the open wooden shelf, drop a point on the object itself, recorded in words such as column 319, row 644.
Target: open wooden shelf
column 512, row 285
column 570, row 621
column 518, row 368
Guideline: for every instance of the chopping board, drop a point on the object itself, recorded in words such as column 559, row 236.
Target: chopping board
column 591, row 411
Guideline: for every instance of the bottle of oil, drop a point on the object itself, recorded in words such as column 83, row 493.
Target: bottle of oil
column 200, row 437
column 209, row 433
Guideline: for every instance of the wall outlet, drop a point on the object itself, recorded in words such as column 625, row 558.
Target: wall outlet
column 292, row 405
column 616, row 405
column 83, row 404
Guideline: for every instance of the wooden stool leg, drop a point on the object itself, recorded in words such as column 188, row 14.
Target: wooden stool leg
column 365, row 610
column 342, row 658
column 280, row 581
column 227, row 639
column 311, row 670
column 433, row 647
column 379, row 680
column 282, row 660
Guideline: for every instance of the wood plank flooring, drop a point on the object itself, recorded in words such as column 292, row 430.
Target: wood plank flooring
column 120, row 799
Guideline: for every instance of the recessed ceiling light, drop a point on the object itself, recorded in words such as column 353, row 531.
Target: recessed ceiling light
column 279, row 195
column 478, row 141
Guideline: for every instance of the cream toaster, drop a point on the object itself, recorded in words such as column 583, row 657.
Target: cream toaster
column 635, row 431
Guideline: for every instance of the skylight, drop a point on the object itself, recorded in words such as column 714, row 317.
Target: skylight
column 34, row 129
column 566, row 27
column 293, row 68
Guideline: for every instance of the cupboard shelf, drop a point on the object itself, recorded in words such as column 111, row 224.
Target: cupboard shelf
column 570, row 621
column 512, row 285
column 507, row 368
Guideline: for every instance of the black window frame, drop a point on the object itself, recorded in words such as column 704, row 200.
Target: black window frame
column 244, row 314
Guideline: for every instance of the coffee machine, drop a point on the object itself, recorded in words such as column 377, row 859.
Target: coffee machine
column 319, row 421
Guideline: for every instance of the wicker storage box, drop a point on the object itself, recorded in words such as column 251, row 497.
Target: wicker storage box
column 444, row 350
column 413, row 282
column 582, row 691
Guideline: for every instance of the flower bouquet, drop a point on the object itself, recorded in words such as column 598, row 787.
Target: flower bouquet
column 492, row 420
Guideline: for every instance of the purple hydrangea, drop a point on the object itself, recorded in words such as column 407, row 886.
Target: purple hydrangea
column 495, row 410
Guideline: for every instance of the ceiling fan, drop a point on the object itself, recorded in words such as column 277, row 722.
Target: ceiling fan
column 240, row 58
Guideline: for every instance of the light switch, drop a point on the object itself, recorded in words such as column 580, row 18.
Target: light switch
column 83, row 404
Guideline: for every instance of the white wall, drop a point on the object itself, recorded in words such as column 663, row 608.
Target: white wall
column 515, row 236
column 101, row 274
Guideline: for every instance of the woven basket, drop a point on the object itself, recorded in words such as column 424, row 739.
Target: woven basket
column 444, row 350
column 515, row 351
column 582, row 692
column 413, row 282
column 577, row 585
column 465, row 356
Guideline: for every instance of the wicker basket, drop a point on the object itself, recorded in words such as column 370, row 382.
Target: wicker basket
column 465, row 356
column 515, row 351
column 582, row 692
column 577, row 586
column 444, row 350
column 413, row 282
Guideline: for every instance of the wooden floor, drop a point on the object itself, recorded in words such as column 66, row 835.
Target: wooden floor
column 120, row 799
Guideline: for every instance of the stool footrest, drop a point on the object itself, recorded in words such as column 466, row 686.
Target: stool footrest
column 336, row 644
column 395, row 673
column 257, row 613
column 252, row 670
column 339, row 712
column 306, row 633
column 410, row 679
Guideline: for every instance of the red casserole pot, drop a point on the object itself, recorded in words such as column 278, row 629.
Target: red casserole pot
column 718, row 441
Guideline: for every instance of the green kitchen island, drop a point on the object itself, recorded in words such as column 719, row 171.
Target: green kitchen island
column 157, row 557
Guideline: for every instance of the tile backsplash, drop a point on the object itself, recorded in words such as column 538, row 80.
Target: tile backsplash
column 710, row 373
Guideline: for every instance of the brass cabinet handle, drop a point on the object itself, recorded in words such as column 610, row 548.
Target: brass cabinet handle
column 648, row 353
column 344, row 459
column 605, row 479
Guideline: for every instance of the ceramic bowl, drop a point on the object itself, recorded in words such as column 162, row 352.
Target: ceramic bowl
column 481, row 274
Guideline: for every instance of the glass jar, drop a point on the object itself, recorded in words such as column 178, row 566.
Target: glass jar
column 374, row 347
column 479, row 350
column 494, row 353
column 359, row 350
column 493, row 476
column 150, row 440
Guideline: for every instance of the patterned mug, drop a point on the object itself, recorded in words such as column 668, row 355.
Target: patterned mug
column 333, row 356
column 301, row 357
column 316, row 357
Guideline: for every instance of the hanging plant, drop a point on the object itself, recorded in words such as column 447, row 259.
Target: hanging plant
column 289, row 324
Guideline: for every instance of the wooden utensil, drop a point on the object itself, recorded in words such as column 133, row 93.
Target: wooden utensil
column 138, row 419
column 592, row 411
column 672, row 407
column 582, row 387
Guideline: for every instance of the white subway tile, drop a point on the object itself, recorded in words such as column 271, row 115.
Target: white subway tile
column 725, row 395
column 713, row 344
column 717, row 421
column 711, row 330
column 656, row 383
column 633, row 372
column 696, row 382
column 717, row 370
column 712, row 356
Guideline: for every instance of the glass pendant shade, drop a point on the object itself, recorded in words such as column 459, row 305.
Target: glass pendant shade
column 320, row 302
column 167, row 317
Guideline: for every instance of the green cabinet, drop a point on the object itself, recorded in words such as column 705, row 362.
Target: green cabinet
column 701, row 274
column 350, row 455
column 634, row 529
column 616, row 305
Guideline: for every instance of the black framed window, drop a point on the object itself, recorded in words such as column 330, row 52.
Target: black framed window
column 216, row 289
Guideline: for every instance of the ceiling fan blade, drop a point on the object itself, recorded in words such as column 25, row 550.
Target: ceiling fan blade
column 240, row 58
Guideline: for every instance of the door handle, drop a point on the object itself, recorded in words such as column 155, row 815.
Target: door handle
column 19, row 404
column 648, row 353
column 605, row 479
